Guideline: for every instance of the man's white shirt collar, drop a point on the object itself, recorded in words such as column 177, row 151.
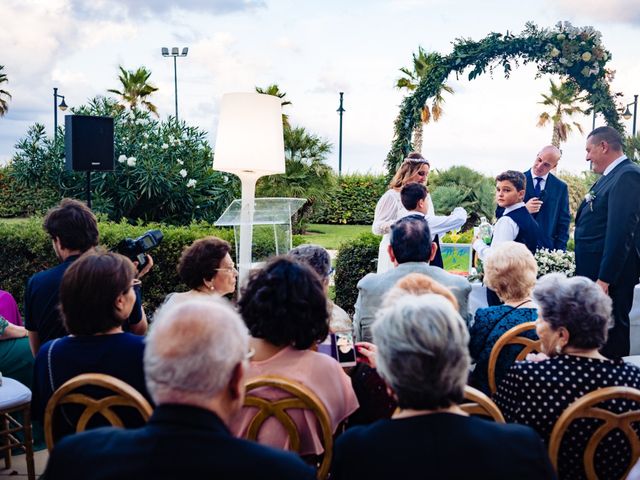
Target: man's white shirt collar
column 613, row 165
column 543, row 177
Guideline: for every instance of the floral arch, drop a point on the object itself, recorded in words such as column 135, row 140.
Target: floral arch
column 574, row 53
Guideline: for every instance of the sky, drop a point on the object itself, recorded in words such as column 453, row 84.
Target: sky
column 313, row 51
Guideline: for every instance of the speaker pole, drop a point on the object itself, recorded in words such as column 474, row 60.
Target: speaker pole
column 89, row 188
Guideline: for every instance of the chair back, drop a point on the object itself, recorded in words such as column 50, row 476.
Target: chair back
column 300, row 397
column 587, row 407
column 512, row 337
column 477, row 403
column 121, row 395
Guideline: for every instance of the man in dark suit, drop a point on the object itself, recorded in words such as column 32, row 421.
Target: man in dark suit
column 547, row 199
column 195, row 361
column 608, row 231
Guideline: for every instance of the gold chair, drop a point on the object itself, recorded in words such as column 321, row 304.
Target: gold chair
column 477, row 403
column 301, row 398
column 511, row 337
column 16, row 398
column 586, row 407
column 124, row 395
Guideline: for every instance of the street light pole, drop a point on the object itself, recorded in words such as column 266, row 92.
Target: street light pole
column 175, row 54
column 340, row 111
column 62, row 106
column 627, row 114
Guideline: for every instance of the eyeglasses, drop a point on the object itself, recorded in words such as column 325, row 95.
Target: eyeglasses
column 227, row 269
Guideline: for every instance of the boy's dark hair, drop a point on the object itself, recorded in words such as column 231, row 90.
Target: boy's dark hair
column 74, row 224
column 411, row 194
column 518, row 179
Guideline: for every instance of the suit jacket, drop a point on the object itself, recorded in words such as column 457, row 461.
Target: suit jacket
column 179, row 441
column 373, row 287
column 608, row 229
column 440, row 445
column 554, row 216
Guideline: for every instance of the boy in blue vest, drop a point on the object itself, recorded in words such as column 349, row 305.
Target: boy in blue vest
column 515, row 224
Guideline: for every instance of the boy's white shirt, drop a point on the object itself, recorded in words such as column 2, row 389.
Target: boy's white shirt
column 505, row 230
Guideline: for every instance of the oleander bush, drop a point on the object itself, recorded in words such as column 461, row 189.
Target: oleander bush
column 355, row 259
column 25, row 249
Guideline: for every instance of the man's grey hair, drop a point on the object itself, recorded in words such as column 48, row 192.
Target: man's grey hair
column 193, row 349
column 315, row 256
column 422, row 351
column 577, row 304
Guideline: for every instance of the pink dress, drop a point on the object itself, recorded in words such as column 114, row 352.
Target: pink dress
column 9, row 309
column 317, row 371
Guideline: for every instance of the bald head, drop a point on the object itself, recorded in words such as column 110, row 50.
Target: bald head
column 546, row 160
column 193, row 349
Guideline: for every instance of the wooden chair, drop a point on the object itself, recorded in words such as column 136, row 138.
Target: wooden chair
column 124, row 395
column 586, row 407
column 301, row 398
column 480, row 404
column 511, row 337
column 16, row 398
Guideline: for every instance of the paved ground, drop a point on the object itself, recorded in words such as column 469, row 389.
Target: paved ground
column 19, row 465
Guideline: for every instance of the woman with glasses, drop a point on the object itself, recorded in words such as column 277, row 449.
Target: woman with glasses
column 96, row 297
column 207, row 269
column 415, row 168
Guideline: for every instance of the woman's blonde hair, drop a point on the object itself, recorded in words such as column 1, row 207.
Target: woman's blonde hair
column 511, row 271
column 418, row 284
column 408, row 169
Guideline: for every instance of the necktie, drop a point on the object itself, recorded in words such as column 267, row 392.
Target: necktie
column 536, row 188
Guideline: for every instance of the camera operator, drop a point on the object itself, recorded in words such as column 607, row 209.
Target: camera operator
column 73, row 229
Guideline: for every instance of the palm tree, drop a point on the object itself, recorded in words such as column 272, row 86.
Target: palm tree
column 136, row 89
column 564, row 100
column 423, row 64
column 4, row 105
column 274, row 90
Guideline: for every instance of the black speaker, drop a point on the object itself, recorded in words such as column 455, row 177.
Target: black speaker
column 88, row 143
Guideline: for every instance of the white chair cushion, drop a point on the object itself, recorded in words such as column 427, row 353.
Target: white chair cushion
column 13, row 393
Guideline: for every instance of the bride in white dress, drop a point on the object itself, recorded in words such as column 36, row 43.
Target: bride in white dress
column 415, row 168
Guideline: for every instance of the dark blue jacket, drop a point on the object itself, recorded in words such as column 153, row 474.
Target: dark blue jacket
column 179, row 441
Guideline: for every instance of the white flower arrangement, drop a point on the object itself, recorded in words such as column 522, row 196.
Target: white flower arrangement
column 589, row 198
column 571, row 46
column 550, row 261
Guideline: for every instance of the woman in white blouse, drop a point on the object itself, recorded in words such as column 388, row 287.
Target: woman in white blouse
column 415, row 168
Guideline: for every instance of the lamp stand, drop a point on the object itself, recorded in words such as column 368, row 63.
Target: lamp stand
column 248, row 181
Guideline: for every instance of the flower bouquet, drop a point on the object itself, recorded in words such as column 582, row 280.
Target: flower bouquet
column 550, row 261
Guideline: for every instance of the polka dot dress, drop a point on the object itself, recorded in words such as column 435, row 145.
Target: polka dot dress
column 536, row 394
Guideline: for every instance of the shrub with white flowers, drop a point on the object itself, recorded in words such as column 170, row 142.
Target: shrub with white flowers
column 550, row 261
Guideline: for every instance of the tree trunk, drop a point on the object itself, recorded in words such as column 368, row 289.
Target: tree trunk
column 555, row 138
column 417, row 137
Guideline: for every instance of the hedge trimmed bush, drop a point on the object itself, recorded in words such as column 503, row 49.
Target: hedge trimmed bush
column 353, row 201
column 25, row 249
column 355, row 259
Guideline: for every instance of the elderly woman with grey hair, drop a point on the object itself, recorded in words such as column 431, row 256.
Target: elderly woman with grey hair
column 574, row 315
column 422, row 356
column 319, row 260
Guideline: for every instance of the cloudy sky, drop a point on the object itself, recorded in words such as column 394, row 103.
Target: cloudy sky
column 313, row 50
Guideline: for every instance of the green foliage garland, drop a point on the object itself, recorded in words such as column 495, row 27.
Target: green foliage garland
column 574, row 53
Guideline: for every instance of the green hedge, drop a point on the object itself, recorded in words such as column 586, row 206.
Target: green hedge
column 25, row 249
column 353, row 201
column 355, row 259
column 20, row 201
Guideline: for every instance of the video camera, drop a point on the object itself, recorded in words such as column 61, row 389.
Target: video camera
column 136, row 249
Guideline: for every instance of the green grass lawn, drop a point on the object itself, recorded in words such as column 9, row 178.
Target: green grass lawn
column 331, row 236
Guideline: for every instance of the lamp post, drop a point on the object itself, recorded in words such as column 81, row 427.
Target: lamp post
column 174, row 53
column 627, row 114
column 340, row 111
column 62, row 106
